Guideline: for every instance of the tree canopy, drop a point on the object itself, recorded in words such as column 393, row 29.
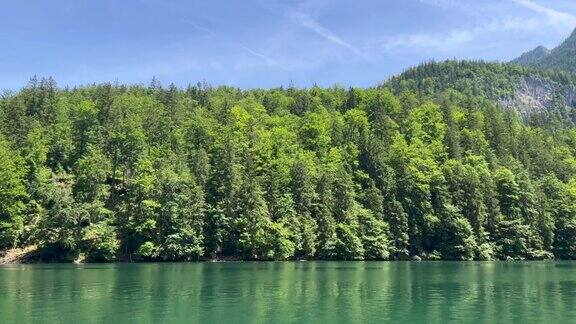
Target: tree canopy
column 408, row 169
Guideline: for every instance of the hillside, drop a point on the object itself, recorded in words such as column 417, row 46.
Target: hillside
column 532, row 57
column 562, row 57
column 435, row 169
column 540, row 84
column 538, row 95
column 453, row 160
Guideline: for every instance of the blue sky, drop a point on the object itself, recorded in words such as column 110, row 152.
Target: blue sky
column 263, row 43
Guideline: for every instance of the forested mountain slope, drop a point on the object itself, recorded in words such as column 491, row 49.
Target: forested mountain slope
column 428, row 165
column 532, row 57
column 562, row 57
column 541, row 97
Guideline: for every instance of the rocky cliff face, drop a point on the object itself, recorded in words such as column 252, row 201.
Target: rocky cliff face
column 550, row 94
column 534, row 95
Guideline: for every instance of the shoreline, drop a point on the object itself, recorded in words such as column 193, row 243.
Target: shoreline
column 28, row 255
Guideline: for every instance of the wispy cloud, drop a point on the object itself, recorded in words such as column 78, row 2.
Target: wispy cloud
column 429, row 41
column 217, row 66
column 458, row 37
column 267, row 59
column 442, row 3
column 555, row 17
column 308, row 22
column 468, row 7
column 196, row 26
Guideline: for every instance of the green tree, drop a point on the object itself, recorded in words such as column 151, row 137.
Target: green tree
column 12, row 195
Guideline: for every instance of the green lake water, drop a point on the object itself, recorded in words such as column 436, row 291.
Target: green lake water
column 290, row 292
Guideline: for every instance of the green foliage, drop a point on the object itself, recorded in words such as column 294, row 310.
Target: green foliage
column 374, row 236
column 456, row 236
column 12, row 195
column 101, row 243
column 426, row 166
column 347, row 246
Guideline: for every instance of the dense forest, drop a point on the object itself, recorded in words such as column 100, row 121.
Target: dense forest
column 407, row 170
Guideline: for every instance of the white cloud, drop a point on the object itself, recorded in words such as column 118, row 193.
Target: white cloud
column 311, row 24
column 429, row 41
column 555, row 17
column 458, row 37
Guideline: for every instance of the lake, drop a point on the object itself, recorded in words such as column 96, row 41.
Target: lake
column 289, row 292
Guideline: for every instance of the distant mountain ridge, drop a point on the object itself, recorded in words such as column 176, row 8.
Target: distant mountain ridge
column 540, row 84
column 532, row 57
column 562, row 57
column 538, row 95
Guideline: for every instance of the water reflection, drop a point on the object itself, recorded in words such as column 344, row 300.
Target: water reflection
column 290, row 292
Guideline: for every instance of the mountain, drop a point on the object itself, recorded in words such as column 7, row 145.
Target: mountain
column 532, row 57
column 562, row 57
column 540, row 84
column 538, row 95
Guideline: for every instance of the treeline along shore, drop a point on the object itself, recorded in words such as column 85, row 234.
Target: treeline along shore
column 412, row 169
